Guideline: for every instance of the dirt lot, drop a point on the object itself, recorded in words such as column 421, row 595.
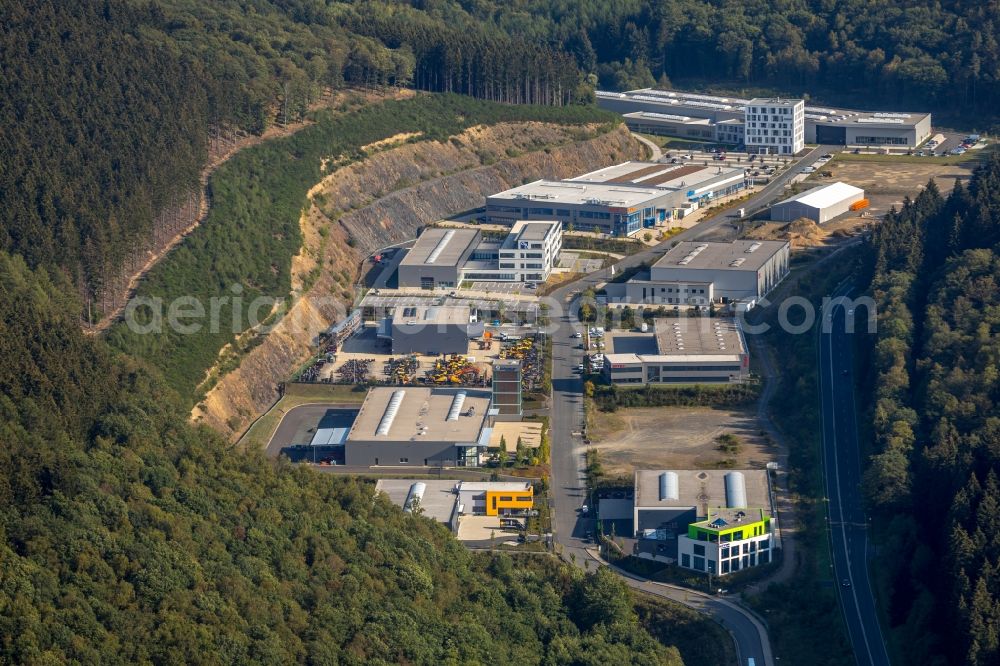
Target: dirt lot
column 886, row 183
column 676, row 438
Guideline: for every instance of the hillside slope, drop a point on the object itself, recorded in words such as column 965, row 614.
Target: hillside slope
column 326, row 268
column 127, row 536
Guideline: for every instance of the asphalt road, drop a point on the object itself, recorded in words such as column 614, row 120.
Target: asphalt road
column 567, row 420
column 842, row 469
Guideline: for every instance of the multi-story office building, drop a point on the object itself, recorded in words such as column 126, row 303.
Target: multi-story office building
column 444, row 258
column 775, row 126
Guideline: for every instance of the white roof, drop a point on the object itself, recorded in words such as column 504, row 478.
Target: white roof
column 566, row 192
column 495, row 486
column 826, row 195
column 672, row 358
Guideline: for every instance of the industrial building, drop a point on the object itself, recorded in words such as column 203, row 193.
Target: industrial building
column 431, row 329
column 742, row 271
column 528, row 254
column 495, row 498
column 420, row 426
column 437, row 257
column 447, row 500
column 713, row 521
column 823, row 125
column 688, row 350
column 698, row 274
column 819, row 204
column 433, row 498
column 444, row 258
column 619, row 200
column 775, row 126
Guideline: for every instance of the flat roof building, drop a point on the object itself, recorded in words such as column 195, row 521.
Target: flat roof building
column 819, row 204
column 421, row 426
column 684, row 112
column 743, row 270
column 444, row 258
column 721, row 519
column 775, row 125
column 683, row 350
column 436, row 499
column 493, row 498
column 437, row 257
column 619, row 200
column 431, row 329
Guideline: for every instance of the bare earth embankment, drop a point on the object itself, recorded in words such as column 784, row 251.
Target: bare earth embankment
column 383, row 199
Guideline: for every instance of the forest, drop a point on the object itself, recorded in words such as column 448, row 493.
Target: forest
column 246, row 244
column 110, row 105
column 933, row 475
column 128, row 536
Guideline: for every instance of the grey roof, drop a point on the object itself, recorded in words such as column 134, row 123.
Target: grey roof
column 535, row 231
column 698, row 335
column 702, row 489
column 421, row 414
column 721, row 256
column 440, row 247
column 438, row 501
column 424, row 315
column 773, row 101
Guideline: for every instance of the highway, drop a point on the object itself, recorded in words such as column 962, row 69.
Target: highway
column 842, row 471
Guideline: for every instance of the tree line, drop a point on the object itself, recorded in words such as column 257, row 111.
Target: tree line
column 933, row 477
column 128, row 535
column 109, row 104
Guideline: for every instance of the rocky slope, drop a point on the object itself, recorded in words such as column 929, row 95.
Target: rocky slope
column 383, row 199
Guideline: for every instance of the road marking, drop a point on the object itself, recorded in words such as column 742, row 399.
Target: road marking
column 840, row 504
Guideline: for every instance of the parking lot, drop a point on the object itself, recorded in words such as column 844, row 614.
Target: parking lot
column 573, row 262
column 499, row 287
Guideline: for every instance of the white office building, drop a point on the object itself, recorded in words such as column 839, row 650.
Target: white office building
column 444, row 258
column 775, row 126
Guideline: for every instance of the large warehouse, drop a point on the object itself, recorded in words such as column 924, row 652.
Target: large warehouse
column 437, row 258
column 431, row 329
column 822, row 125
column 444, row 258
column 820, row 204
column 618, row 200
column 419, row 425
column 685, row 350
column 743, row 271
column 712, row 521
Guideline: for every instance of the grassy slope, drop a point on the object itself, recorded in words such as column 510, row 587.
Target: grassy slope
column 803, row 615
column 244, row 247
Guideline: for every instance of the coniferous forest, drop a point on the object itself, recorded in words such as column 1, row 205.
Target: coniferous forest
column 108, row 105
column 933, row 478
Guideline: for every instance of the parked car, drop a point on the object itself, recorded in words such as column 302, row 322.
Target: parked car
column 809, row 169
column 827, row 156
